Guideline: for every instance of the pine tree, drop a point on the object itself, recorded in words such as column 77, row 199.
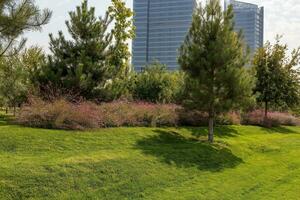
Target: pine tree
column 213, row 57
column 81, row 65
column 17, row 17
column 97, row 52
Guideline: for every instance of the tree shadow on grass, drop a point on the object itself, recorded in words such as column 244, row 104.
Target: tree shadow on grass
column 280, row 129
column 173, row 148
column 220, row 131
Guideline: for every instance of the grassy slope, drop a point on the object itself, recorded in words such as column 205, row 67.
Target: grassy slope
column 149, row 163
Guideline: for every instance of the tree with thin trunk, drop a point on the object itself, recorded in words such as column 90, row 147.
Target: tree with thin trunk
column 278, row 81
column 213, row 56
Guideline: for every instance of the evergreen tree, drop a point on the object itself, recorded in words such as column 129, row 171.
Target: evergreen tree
column 84, row 65
column 17, row 17
column 277, row 76
column 213, row 57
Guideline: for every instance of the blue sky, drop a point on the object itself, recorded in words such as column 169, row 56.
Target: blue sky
column 281, row 17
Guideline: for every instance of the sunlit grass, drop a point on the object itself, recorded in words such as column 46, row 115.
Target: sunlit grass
column 149, row 163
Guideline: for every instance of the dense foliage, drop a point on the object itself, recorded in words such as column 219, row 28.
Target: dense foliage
column 156, row 84
column 213, row 56
column 13, row 83
column 63, row 114
column 17, row 74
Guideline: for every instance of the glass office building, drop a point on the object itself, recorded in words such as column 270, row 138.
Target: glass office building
column 161, row 26
column 250, row 19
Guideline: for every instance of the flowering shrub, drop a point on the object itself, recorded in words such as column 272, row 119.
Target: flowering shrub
column 122, row 113
column 192, row 118
column 231, row 118
column 256, row 117
column 61, row 114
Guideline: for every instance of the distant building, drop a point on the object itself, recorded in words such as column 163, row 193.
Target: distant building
column 250, row 19
column 161, row 26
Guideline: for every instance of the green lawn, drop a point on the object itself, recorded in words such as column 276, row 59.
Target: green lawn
column 150, row 163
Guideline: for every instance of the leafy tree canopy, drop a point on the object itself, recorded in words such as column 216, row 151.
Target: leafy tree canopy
column 277, row 76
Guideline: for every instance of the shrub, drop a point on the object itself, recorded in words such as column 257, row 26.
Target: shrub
column 197, row 118
column 256, row 117
column 192, row 118
column 156, row 84
column 231, row 118
column 59, row 114
column 123, row 113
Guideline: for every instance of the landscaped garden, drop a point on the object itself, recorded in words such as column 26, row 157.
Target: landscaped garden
column 80, row 123
column 246, row 162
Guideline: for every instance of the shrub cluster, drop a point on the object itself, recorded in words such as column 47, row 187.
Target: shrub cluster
column 257, row 118
column 122, row 113
column 61, row 114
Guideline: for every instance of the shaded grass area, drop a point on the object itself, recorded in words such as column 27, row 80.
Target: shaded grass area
column 5, row 119
column 246, row 162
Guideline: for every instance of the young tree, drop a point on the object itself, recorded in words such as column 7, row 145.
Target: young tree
column 123, row 31
column 17, row 17
column 277, row 77
column 13, row 84
column 213, row 57
column 17, row 75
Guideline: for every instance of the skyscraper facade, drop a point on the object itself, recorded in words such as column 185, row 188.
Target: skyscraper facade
column 161, row 26
column 250, row 19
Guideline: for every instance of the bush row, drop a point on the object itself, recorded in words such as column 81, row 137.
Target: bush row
column 61, row 114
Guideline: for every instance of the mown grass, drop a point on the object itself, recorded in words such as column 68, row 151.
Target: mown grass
column 246, row 162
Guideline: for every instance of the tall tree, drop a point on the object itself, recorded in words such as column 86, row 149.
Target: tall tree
column 17, row 17
column 213, row 57
column 278, row 81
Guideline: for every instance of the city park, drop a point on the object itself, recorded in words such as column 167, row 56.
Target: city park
column 80, row 123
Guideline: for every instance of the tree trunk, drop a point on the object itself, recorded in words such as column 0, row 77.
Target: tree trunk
column 266, row 123
column 266, row 110
column 15, row 111
column 6, row 110
column 211, row 129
